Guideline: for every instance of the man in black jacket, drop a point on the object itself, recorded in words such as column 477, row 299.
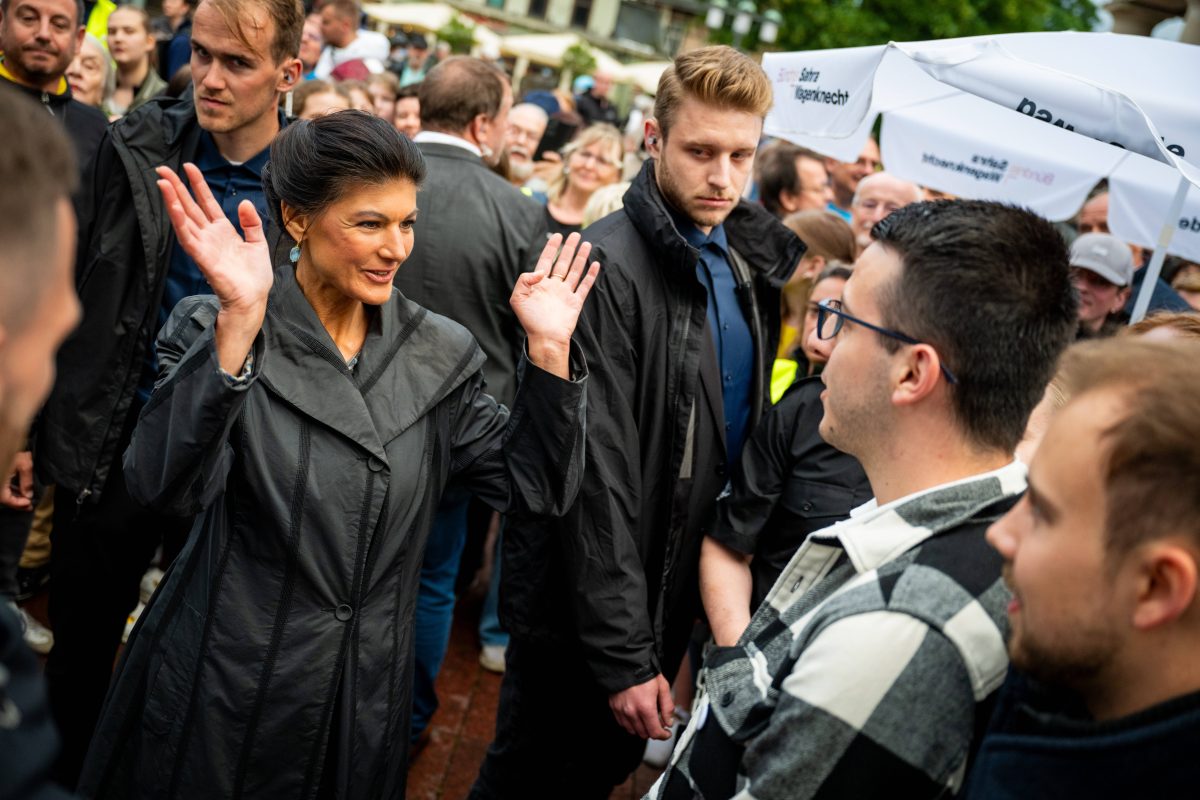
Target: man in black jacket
column 682, row 328
column 38, row 39
column 130, row 273
column 37, row 309
column 474, row 235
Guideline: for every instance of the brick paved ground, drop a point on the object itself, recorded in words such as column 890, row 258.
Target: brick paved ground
column 462, row 728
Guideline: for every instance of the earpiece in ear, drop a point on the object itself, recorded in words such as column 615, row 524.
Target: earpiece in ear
column 653, row 139
column 289, row 78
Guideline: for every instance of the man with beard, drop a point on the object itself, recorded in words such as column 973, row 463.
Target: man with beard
column 37, row 308
column 526, row 124
column 600, row 605
column 875, row 657
column 131, row 273
column 38, row 40
column 1103, row 557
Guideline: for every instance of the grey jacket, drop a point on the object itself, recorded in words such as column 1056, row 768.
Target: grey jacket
column 277, row 653
column 474, row 235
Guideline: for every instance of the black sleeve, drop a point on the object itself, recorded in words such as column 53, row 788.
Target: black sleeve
column 760, row 476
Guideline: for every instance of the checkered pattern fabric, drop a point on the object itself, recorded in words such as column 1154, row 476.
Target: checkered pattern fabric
column 869, row 667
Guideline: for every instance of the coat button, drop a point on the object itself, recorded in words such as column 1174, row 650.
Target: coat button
column 343, row 613
column 726, row 699
column 374, row 464
column 806, row 506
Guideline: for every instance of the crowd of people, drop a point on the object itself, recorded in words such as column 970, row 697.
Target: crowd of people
column 789, row 476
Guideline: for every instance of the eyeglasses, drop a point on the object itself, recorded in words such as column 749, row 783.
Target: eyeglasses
column 585, row 156
column 830, row 318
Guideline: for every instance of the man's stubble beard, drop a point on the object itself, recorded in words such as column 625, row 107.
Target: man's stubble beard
column 674, row 196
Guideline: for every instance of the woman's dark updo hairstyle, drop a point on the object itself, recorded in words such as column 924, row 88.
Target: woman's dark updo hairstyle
column 314, row 163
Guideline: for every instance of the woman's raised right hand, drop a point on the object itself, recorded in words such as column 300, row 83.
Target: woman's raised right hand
column 238, row 270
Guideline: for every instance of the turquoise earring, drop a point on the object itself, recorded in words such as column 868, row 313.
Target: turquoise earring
column 294, row 255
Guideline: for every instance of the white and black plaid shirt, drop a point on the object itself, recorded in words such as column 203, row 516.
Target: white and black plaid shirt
column 871, row 664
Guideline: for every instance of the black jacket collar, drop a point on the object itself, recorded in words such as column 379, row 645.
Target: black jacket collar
column 769, row 248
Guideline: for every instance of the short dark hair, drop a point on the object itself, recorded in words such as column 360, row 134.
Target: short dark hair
column 37, row 165
column 314, row 163
column 987, row 284
column 459, row 89
column 775, row 166
column 411, row 90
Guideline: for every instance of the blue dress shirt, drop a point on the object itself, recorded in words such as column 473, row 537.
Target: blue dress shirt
column 731, row 334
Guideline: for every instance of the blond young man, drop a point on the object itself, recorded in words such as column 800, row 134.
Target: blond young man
column 600, row 605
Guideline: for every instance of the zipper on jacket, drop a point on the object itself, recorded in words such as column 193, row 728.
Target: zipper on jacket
column 80, row 500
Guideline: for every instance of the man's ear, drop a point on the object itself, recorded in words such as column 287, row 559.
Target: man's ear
column 80, row 35
column 654, row 138
column 917, row 374
column 1122, row 298
column 289, row 75
column 1166, row 583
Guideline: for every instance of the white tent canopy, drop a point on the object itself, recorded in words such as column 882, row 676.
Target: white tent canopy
column 1036, row 119
column 548, row 49
column 426, row 17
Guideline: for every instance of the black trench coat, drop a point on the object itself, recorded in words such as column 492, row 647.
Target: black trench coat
column 276, row 658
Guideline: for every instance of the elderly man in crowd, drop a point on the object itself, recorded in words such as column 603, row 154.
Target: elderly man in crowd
column 1103, row 558
column 1093, row 218
column 844, row 177
column 1101, row 269
column 867, row 669
column 526, row 125
column 878, row 195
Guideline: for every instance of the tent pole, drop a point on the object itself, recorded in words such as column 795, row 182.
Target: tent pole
column 1154, row 268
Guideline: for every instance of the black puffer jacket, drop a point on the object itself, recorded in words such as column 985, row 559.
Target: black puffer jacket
column 619, row 572
column 125, row 243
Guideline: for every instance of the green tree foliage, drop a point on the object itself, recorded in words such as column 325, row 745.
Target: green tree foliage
column 821, row 24
column 578, row 60
column 458, row 34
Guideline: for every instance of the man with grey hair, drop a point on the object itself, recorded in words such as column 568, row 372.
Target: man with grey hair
column 878, row 195
column 526, row 125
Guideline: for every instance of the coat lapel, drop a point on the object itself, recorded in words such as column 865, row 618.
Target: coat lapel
column 410, row 361
column 417, row 359
column 303, row 366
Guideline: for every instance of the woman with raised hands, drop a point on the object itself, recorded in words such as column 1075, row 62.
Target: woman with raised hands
column 311, row 416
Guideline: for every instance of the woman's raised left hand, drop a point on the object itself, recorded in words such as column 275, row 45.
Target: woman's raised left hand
column 548, row 300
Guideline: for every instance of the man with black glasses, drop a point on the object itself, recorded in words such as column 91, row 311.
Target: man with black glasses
column 875, row 657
